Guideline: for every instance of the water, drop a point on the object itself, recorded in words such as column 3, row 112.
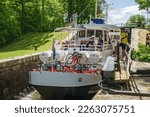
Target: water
column 34, row 95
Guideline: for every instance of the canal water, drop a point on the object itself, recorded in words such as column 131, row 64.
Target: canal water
column 34, row 95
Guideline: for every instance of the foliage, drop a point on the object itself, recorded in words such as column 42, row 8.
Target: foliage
column 53, row 15
column 144, row 4
column 101, row 7
column 24, row 46
column 136, row 20
column 89, row 7
column 20, row 17
column 142, row 54
column 81, row 11
column 9, row 26
column 148, row 23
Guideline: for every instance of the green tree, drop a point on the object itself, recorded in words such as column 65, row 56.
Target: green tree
column 100, row 7
column 53, row 15
column 81, row 9
column 71, row 9
column 9, row 26
column 28, row 14
column 144, row 4
column 87, row 8
column 136, row 20
column 18, row 17
column 39, row 15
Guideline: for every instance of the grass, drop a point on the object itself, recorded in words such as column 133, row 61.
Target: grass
column 27, row 42
column 142, row 54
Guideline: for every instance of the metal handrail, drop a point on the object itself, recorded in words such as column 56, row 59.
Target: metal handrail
column 130, row 46
column 128, row 60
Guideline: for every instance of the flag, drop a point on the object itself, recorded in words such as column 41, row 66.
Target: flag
column 53, row 50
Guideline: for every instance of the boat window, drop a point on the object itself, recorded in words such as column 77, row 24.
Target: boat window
column 82, row 33
column 105, row 35
column 99, row 32
column 90, row 33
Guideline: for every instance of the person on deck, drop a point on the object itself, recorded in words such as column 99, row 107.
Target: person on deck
column 124, row 41
column 91, row 41
column 82, row 45
column 100, row 41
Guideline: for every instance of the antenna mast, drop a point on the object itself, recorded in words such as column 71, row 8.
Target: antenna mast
column 106, row 14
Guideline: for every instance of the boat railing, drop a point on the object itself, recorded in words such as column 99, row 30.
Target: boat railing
column 90, row 48
column 107, row 47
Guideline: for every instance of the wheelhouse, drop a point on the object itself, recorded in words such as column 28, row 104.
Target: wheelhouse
column 81, row 35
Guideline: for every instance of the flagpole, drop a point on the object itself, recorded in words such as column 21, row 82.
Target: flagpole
column 53, row 54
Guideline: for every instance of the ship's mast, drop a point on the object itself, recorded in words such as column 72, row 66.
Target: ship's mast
column 106, row 13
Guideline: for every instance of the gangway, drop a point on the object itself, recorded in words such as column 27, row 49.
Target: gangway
column 115, row 71
column 116, row 76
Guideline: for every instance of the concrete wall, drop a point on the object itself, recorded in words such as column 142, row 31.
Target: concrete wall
column 14, row 75
column 138, row 36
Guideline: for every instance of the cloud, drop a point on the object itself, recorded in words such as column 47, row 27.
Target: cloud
column 118, row 16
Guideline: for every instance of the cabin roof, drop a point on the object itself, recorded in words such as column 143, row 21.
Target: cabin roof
column 113, row 27
column 89, row 26
column 101, row 27
column 95, row 26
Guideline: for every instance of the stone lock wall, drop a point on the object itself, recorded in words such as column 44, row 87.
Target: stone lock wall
column 14, row 75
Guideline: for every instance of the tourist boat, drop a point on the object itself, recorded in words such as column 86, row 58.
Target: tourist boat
column 73, row 68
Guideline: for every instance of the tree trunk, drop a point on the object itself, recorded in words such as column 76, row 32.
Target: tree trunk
column 70, row 10
column 22, row 16
column 42, row 16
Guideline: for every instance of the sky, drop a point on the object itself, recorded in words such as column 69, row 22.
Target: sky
column 121, row 10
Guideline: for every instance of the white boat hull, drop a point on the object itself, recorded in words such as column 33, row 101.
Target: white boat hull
column 57, row 85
